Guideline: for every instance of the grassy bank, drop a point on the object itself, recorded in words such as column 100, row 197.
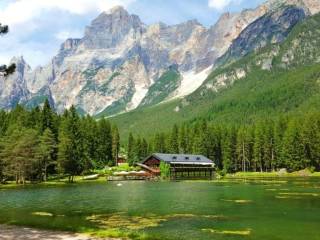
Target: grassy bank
column 303, row 173
column 63, row 181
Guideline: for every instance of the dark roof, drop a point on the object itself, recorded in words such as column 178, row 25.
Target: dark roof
column 183, row 159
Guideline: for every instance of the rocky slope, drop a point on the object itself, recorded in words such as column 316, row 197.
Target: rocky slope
column 121, row 63
column 278, row 80
column 271, row 28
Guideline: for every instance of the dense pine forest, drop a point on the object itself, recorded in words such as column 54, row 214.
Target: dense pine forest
column 38, row 142
column 267, row 145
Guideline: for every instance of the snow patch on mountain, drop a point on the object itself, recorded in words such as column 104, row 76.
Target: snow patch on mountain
column 140, row 93
column 191, row 81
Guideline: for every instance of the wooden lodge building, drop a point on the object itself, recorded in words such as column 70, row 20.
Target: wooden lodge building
column 182, row 166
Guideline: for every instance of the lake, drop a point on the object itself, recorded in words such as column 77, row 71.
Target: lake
column 231, row 209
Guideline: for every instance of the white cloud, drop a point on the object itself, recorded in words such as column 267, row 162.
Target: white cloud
column 38, row 27
column 21, row 11
column 222, row 4
column 65, row 34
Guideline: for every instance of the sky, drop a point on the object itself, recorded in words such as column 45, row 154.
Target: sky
column 38, row 27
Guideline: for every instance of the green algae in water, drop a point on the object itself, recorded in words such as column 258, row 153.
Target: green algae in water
column 168, row 210
column 229, row 232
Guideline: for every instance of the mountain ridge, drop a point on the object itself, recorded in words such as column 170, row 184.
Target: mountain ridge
column 277, row 80
column 113, row 67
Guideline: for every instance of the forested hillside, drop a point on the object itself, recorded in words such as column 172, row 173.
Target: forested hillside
column 280, row 79
column 267, row 145
column 38, row 142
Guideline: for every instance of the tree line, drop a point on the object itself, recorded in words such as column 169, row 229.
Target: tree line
column 291, row 142
column 38, row 142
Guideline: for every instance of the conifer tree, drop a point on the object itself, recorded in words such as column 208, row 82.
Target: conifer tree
column 130, row 149
column 229, row 150
column 144, row 148
column 104, row 138
column 243, row 149
column 19, row 154
column 47, row 118
column 258, row 148
column 115, row 144
column 71, row 151
column 279, row 130
column 157, row 143
column 89, row 134
column 293, row 149
column 174, row 140
column 183, row 140
column 311, row 138
column 46, row 150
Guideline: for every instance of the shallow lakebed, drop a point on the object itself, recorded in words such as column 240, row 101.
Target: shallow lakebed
column 231, row 209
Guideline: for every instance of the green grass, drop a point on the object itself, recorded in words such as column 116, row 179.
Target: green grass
column 63, row 181
column 269, row 174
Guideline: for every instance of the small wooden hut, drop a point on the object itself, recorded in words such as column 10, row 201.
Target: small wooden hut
column 182, row 166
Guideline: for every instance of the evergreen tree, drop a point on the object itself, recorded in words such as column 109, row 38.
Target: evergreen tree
column 243, row 149
column 130, row 153
column 183, row 140
column 47, row 118
column 258, row 148
column 115, row 144
column 293, row 149
column 71, row 151
column 217, row 151
column 144, row 149
column 279, row 130
column 174, row 140
column 19, row 154
column 229, row 150
column 157, row 143
column 104, row 139
column 311, row 138
column 89, row 134
column 269, row 148
column 46, row 150
column 137, row 150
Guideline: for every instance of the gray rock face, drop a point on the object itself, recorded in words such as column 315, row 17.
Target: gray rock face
column 13, row 89
column 112, row 68
column 272, row 28
column 109, row 30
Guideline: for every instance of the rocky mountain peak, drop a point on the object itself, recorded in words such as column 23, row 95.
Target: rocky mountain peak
column 21, row 64
column 120, row 61
column 110, row 28
column 118, row 10
column 310, row 7
column 69, row 44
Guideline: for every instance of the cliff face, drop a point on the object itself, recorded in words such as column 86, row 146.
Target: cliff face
column 272, row 28
column 13, row 89
column 120, row 62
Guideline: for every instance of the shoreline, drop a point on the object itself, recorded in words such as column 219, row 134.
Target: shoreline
column 299, row 174
column 9, row 232
column 239, row 175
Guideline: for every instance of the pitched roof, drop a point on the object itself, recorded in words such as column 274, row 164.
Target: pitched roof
column 183, row 159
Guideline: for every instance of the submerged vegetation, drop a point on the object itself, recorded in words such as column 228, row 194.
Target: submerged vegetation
column 163, row 210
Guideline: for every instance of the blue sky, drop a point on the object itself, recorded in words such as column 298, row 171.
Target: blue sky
column 38, row 27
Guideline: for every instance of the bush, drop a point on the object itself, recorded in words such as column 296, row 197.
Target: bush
column 164, row 170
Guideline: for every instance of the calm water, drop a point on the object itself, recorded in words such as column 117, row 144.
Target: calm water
column 255, row 209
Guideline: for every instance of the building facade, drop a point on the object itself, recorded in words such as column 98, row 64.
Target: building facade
column 182, row 166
